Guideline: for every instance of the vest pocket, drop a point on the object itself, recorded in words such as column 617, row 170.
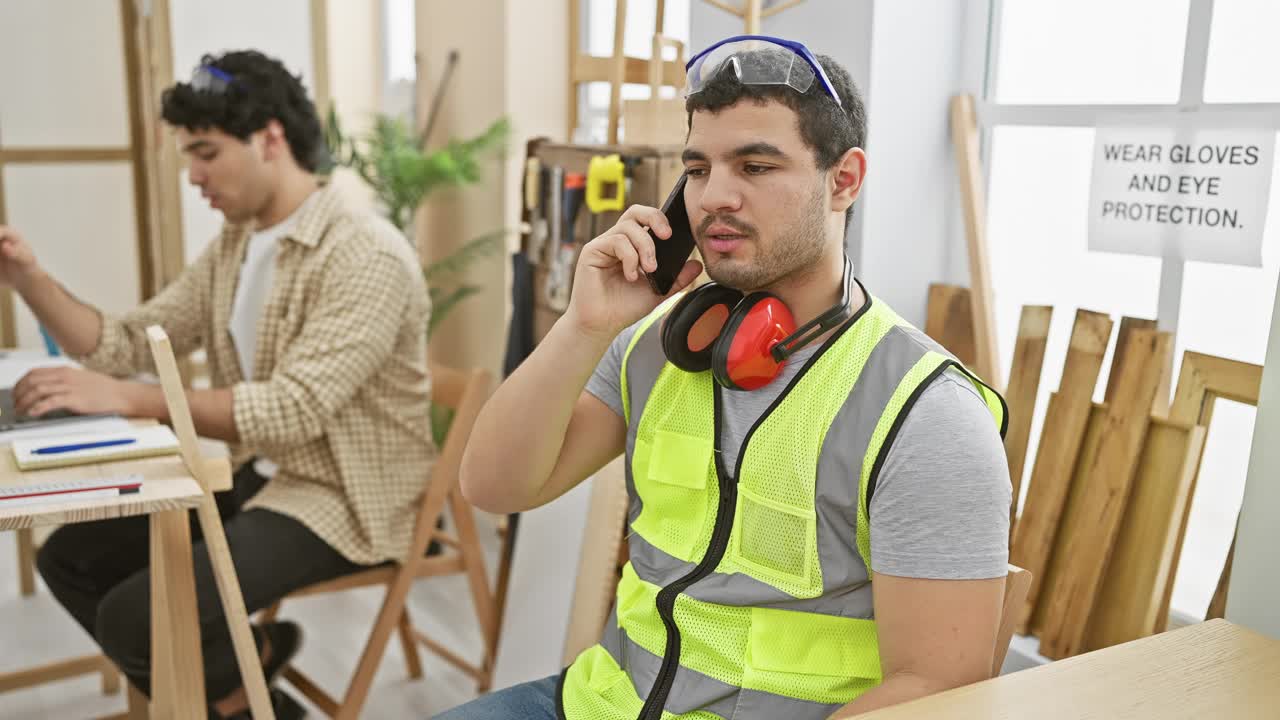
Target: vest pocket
column 773, row 540
column 824, row 658
column 671, row 479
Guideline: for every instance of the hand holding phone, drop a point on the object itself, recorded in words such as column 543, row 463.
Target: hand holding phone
column 672, row 253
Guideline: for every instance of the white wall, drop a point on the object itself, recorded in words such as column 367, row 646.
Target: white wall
column 281, row 29
column 1253, row 598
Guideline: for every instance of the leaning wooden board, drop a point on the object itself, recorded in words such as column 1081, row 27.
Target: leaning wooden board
column 1133, row 588
column 1024, row 385
column 1088, row 542
column 1060, row 442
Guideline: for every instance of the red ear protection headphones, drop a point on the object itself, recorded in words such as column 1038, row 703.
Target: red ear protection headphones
column 744, row 340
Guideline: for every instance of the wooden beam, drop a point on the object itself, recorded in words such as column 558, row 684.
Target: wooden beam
column 574, row 57
column 590, row 68
column 964, row 135
column 617, row 68
column 164, row 167
column 130, row 29
column 320, row 56
column 86, row 665
column 1088, row 543
column 1024, row 386
column 751, row 16
column 770, row 12
column 725, row 7
column 48, row 155
column 1064, row 434
column 8, row 321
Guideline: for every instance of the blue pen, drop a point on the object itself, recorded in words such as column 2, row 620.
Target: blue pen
column 55, row 449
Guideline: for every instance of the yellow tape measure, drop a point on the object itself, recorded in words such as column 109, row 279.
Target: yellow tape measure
column 606, row 172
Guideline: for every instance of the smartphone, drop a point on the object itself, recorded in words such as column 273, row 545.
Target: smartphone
column 673, row 252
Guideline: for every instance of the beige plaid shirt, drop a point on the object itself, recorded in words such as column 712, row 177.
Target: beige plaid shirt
column 339, row 393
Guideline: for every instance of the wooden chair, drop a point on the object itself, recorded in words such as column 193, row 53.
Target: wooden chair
column 1015, row 594
column 464, row 392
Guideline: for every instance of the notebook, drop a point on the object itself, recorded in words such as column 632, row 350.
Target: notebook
column 69, row 490
column 84, row 449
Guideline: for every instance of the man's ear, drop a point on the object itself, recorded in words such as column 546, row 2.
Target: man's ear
column 274, row 141
column 847, row 176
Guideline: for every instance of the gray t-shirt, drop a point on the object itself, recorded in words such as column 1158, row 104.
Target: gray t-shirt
column 941, row 504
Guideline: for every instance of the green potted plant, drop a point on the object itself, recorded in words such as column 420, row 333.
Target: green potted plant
column 392, row 158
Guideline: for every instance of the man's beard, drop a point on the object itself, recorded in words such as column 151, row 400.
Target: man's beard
column 796, row 251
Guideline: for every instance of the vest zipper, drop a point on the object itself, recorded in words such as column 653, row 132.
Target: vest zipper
column 666, row 601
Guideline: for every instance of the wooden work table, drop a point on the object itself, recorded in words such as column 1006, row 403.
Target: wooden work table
column 1211, row 670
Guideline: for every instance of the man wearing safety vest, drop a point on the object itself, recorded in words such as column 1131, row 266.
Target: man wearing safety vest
column 819, row 498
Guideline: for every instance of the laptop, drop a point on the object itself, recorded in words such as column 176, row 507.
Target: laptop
column 11, row 420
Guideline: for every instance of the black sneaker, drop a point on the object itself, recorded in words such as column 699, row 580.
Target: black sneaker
column 282, row 704
column 285, row 638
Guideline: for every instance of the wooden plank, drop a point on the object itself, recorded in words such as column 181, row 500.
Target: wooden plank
column 1127, row 326
column 1065, row 423
column 785, row 5
column 130, row 29
column 8, row 321
column 53, row 155
column 964, row 135
column 1070, row 508
column 949, row 320
column 1015, row 595
column 1218, row 603
column 26, row 562
column 1088, row 543
column 175, row 629
column 574, row 57
column 1203, row 379
column 1024, row 385
column 725, row 7
column 160, row 155
column 617, row 74
column 1212, row 670
column 215, row 539
column 751, row 16
column 1132, row 590
column 594, row 591
column 590, row 68
column 61, row 670
column 320, row 92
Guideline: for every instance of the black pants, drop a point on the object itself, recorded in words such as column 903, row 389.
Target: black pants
column 99, row 572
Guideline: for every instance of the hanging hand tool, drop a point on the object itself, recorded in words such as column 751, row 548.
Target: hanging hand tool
column 558, row 285
column 533, row 200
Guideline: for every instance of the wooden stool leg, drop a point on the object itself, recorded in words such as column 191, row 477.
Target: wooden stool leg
column 481, row 596
column 26, row 562
column 177, row 674
column 110, row 677
column 269, row 614
column 137, row 704
column 410, row 647
column 388, row 618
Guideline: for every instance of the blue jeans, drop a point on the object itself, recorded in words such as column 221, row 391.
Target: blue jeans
column 531, row 701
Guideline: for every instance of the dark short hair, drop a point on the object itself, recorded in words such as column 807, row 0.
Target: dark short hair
column 261, row 89
column 830, row 130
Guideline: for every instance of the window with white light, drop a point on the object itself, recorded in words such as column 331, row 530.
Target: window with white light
column 1091, row 58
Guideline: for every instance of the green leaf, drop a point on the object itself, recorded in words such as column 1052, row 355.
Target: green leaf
column 443, row 301
column 460, row 259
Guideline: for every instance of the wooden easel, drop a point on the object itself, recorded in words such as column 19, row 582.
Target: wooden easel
column 753, row 11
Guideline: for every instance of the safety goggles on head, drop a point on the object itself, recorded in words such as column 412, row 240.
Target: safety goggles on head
column 210, row 79
column 759, row 60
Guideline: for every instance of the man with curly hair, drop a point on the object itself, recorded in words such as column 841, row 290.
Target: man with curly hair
column 313, row 317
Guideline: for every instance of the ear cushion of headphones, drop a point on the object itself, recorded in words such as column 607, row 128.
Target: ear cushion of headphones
column 741, row 358
column 679, row 325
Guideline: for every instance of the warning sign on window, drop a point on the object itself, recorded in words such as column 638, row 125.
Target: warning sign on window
column 1181, row 192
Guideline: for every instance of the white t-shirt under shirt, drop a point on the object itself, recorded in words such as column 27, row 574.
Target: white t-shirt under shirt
column 252, row 291
column 941, row 503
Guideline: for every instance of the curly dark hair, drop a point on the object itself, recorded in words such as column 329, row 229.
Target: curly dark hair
column 830, row 130
column 261, row 89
